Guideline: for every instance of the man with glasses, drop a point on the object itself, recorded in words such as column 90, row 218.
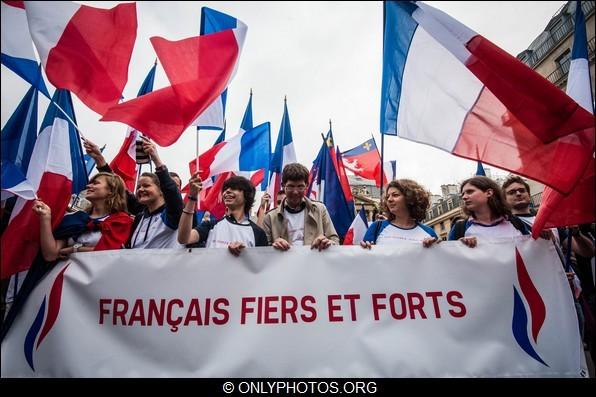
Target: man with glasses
column 298, row 220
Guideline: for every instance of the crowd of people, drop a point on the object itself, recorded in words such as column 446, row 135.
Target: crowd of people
column 156, row 216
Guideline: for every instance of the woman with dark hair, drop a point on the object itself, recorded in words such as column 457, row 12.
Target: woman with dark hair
column 235, row 231
column 105, row 225
column 488, row 214
column 405, row 206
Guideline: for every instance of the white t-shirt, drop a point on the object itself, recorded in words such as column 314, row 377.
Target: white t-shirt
column 295, row 227
column 226, row 232
column 499, row 229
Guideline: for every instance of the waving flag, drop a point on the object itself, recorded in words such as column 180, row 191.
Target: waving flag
column 284, row 154
column 357, row 229
column 14, row 182
column 55, row 167
column 20, row 132
column 199, row 69
column 125, row 162
column 330, row 192
column 448, row 87
column 17, row 45
column 557, row 210
column 84, row 49
column 213, row 21
column 242, row 152
column 256, row 177
column 364, row 160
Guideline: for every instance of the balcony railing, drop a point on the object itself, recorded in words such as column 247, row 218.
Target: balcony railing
column 559, row 76
column 557, row 35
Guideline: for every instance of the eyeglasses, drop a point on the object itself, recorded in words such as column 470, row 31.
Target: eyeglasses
column 295, row 188
column 521, row 190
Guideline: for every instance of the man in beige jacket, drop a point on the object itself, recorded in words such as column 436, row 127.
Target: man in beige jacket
column 298, row 220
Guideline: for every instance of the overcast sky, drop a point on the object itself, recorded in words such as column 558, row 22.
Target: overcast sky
column 324, row 56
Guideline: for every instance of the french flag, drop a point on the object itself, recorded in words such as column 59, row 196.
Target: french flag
column 357, row 229
column 212, row 21
column 125, row 162
column 446, row 86
column 242, row 152
column 557, row 210
column 199, row 70
column 84, row 49
column 17, row 45
column 284, row 154
column 55, row 162
column 365, row 161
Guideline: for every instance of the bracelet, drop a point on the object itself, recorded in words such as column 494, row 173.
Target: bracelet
column 188, row 212
column 193, row 198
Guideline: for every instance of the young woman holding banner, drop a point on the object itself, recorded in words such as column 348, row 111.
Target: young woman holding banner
column 488, row 214
column 406, row 203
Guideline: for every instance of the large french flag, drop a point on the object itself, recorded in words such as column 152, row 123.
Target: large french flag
column 199, row 70
column 284, row 154
column 55, row 162
column 84, row 49
column 125, row 162
column 357, row 229
column 446, row 86
column 364, row 160
column 213, row 21
column 17, row 45
column 242, row 152
column 556, row 209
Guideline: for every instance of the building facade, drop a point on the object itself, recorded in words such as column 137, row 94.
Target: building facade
column 366, row 194
column 550, row 53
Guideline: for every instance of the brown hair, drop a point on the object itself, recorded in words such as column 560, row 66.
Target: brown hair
column 417, row 198
column 153, row 178
column 497, row 205
column 294, row 172
column 116, row 200
column 515, row 179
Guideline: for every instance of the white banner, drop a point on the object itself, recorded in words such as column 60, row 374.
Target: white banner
column 395, row 311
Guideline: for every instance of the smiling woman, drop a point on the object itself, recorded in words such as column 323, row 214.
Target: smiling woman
column 106, row 225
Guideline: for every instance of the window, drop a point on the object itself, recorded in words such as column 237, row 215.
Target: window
column 564, row 60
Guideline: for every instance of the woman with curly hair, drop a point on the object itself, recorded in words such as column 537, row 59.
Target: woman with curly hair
column 405, row 206
column 488, row 214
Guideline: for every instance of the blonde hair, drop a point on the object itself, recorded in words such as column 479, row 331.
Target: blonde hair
column 116, row 200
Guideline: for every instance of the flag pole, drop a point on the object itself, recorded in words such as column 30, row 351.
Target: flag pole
column 69, row 119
